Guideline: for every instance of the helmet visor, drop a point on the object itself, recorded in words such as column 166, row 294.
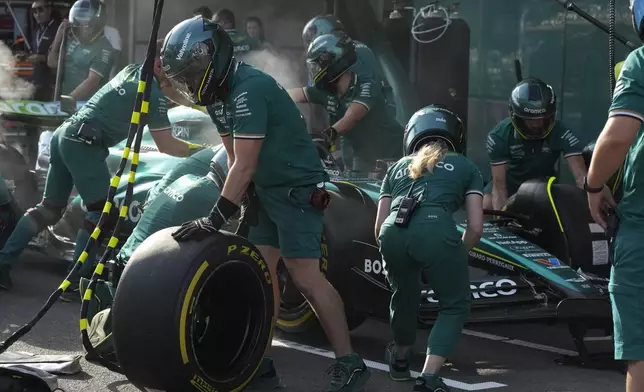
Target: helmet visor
column 315, row 71
column 193, row 77
column 309, row 35
column 637, row 7
column 534, row 128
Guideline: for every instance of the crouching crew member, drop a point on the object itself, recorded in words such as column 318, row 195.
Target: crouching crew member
column 417, row 233
column 78, row 151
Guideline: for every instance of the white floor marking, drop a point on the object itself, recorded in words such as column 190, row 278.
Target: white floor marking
column 381, row 366
column 522, row 343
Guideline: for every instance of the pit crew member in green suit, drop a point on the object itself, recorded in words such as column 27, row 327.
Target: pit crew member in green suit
column 441, row 180
column 528, row 144
column 242, row 42
column 622, row 139
column 356, row 108
column 89, row 55
column 78, row 151
column 366, row 67
column 267, row 143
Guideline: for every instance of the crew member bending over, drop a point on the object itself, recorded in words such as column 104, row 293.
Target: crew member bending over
column 527, row 145
column 89, row 56
column 78, row 151
column 273, row 150
column 356, row 107
column 436, row 176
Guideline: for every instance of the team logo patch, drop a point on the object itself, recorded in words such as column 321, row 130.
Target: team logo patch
column 549, row 262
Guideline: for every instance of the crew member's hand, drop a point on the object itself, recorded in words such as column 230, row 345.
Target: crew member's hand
column 600, row 204
column 230, row 160
column 63, row 26
column 331, row 134
column 197, row 229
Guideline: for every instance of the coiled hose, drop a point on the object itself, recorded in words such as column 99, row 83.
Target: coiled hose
column 138, row 122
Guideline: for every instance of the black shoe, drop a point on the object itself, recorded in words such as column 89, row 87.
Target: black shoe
column 430, row 384
column 265, row 378
column 5, row 279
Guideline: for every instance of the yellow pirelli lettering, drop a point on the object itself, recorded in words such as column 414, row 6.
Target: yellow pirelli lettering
column 88, row 295
column 83, row 324
column 145, row 107
column 99, row 269
column 141, row 86
column 136, row 116
column 123, row 213
column 66, row 283
column 83, row 256
column 107, row 207
column 96, row 233
column 115, row 181
column 132, row 176
column 113, row 242
column 135, row 158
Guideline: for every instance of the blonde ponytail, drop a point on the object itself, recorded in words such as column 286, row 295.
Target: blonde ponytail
column 425, row 159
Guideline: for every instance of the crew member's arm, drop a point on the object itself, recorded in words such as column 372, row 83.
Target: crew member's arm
column 498, row 154
column 99, row 70
column 54, row 50
column 474, row 209
column 368, row 93
column 161, row 131
column 384, row 202
column 217, row 113
column 251, row 120
column 572, row 149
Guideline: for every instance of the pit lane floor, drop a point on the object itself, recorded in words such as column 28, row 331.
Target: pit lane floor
column 483, row 362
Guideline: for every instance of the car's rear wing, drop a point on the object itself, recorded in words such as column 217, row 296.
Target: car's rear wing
column 34, row 112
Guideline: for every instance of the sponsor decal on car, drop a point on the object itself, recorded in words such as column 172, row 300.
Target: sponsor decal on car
column 134, row 212
column 34, row 108
column 580, row 279
column 502, row 287
column 491, row 260
column 551, row 262
column 524, row 248
column 537, row 254
column 513, row 242
column 376, row 267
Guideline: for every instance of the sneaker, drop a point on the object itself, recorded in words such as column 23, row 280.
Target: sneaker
column 265, row 378
column 430, row 383
column 5, row 279
column 348, row 374
column 398, row 368
column 70, row 295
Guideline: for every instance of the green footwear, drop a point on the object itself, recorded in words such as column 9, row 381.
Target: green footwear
column 5, row 279
column 398, row 368
column 430, row 383
column 348, row 374
column 265, row 378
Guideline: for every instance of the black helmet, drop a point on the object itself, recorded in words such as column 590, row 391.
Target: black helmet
column 637, row 11
column 434, row 123
column 533, row 108
column 87, row 20
column 328, row 57
column 197, row 56
column 321, row 25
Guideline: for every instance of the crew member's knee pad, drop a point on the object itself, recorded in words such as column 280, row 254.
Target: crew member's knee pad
column 45, row 215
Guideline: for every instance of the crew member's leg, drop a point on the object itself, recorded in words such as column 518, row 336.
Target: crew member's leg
column 447, row 272
column 300, row 228
column 403, row 274
column 91, row 177
column 626, row 291
column 48, row 212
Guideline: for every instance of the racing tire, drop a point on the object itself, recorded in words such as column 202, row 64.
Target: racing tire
column 296, row 315
column 193, row 315
column 20, row 181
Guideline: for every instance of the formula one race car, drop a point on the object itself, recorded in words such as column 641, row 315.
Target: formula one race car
column 538, row 260
column 26, row 184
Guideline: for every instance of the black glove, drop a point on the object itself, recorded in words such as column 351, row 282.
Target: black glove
column 326, row 138
column 201, row 228
column 331, row 134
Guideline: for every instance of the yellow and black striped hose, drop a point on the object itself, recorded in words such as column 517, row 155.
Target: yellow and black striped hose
column 138, row 122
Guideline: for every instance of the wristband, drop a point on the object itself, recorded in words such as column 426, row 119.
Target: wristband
column 591, row 190
column 224, row 208
column 193, row 146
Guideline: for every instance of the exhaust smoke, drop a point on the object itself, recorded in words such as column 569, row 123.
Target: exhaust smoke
column 11, row 85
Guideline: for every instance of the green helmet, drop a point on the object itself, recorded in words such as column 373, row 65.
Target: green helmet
column 197, row 57
column 87, row 20
column 328, row 57
column 434, row 123
column 533, row 108
column 321, row 25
